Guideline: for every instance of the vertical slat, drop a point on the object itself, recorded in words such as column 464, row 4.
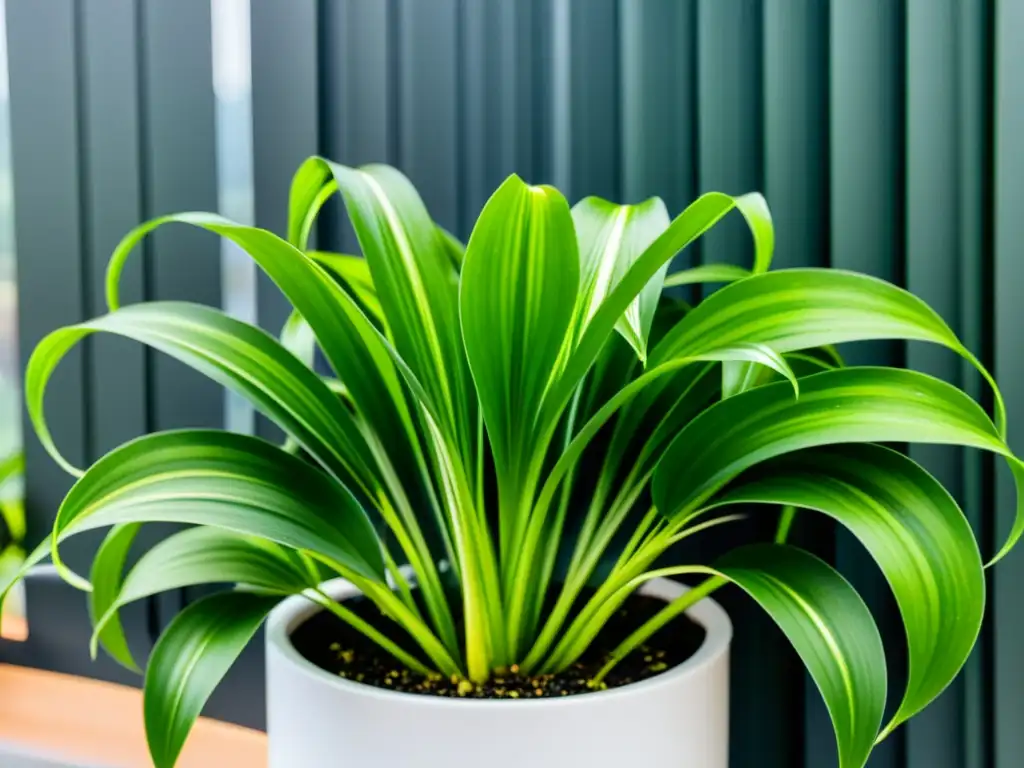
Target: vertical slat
column 285, row 101
column 180, row 174
column 428, row 108
column 42, row 49
column 867, row 119
column 796, row 129
column 111, row 207
column 935, row 739
column 1009, row 320
column 730, row 48
column 975, row 118
column 537, row 47
column 500, row 131
column 561, row 92
column 358, row 122
column 658, row 94
column 586, row 98
column 485, row 95
column 285, row 128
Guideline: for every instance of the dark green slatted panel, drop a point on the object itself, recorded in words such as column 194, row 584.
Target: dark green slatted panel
column 659, row 102
column 428, row 103
column 796, row 138
column 42, row 49
column 179, row 171
column 936, row 738
column 285, row 117
column 358, row 97
column 1009, row 352
column 586, row 98
column 974, row 81
column 499, row 103
column 730, row 114
column 867, row 203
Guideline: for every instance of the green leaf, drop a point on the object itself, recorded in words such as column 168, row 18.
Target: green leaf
column 830, row 628
column 107, row 575
column 202, row 556
column 453, row 247
column 228, row 481
column 797, row 309
column 698, row 218
column 360, row 356
column 189, row 661
column 707, row 273
column 851, row 405
column 232, row 353
column 519, row 284
column 916, row 533
column 611, row 237
column 413, row 277
column 297, row 337
column 354, row 274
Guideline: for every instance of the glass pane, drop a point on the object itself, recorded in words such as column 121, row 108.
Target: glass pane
column 12, row 518
column 232, row 86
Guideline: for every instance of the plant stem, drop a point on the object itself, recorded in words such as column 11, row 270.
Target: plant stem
column 415, row 548
column 401, row 584
column 529, row 584
column 577, row 577
column 659, row 620
column 785, row 524
column 393, row 607
column 357, row 623
column 624, row 578
column 608, row 597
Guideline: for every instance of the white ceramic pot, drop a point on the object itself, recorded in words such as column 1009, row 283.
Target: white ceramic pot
column 318, row 720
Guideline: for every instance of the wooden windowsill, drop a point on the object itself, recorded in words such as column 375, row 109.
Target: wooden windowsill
column 101, row 723
column 14, row 628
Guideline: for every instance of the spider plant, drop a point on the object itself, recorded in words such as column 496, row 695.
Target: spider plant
column 523, row 417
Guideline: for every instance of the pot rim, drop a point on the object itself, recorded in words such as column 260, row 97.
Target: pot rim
column 294, row 610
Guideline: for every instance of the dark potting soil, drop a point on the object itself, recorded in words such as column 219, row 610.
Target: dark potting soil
column 337, row 648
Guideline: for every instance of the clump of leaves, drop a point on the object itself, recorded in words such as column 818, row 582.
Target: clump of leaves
column 522, row 410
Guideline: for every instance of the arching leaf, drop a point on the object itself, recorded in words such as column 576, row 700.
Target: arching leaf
column 611, row 237
column 698, row 218
column 830, row 628
column 914, row 530
column 107, row 575
column 232, row 353
column 189, row 661
column 413, row 277
column 851, row 405
column 228, row 481
column 198, row 556
column 794, row 309
column 519, row 283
